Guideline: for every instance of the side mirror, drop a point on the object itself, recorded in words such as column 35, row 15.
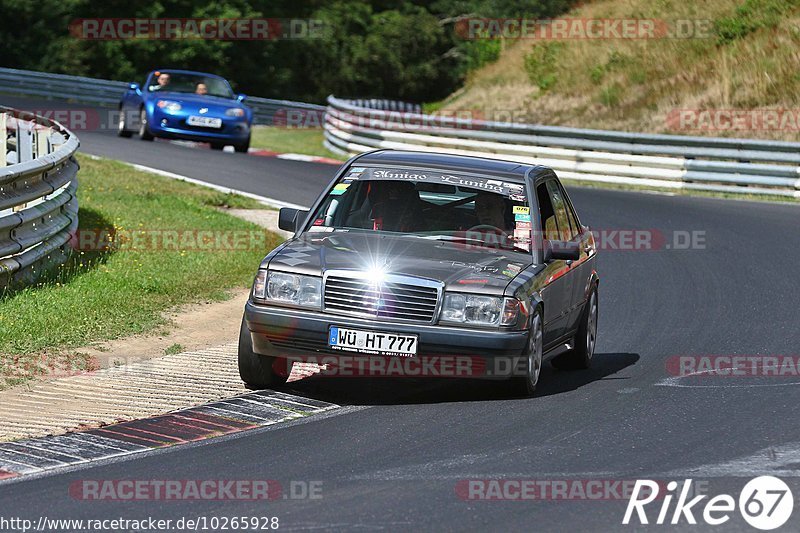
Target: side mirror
column 241, row 97
column 290, row 219
column 563, row 250
column 133, row 86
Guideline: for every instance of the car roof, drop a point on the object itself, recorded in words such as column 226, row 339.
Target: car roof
column 480, row 165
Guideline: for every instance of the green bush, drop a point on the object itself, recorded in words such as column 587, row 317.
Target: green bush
column 540, row 64
column 610, row 96
column 749, row 17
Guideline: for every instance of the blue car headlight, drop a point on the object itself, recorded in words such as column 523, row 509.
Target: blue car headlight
column 169, row 106
column 235, row 112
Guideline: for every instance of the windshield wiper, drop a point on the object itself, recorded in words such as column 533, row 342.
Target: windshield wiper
column 453, row 238
column 483, row 244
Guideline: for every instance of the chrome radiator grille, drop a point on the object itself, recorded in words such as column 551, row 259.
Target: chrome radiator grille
column 394, row 297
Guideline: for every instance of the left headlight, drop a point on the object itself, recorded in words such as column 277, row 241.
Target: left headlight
column 478, row 310
column 235, row 112
column 292, row 289
column 169, row 106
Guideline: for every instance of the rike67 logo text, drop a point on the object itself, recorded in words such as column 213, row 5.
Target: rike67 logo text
column 765, row 503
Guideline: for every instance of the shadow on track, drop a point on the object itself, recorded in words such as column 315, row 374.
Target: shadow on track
column 400, row 391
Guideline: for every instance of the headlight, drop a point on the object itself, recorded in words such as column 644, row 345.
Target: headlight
column 480, row 310
column 288, row 288
column 169, row 106
column 235, row 112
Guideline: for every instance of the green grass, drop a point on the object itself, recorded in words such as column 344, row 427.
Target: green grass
column 173, row 349
column 103, row 295
column 307, row 141
column 231, row 200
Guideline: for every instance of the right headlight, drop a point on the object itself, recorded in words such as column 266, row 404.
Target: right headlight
column 286, row 288
column 479, row 310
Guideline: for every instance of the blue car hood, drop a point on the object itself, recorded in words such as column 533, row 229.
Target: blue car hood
column 196, row 100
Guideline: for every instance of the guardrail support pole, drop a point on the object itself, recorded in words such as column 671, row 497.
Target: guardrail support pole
column 41, row 137
column 24, row 141
column 3, row 140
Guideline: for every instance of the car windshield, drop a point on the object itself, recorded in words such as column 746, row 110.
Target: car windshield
column 180, row 82
column 477, row 210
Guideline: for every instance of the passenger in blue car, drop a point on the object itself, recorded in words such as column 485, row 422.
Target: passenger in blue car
column 202, row 88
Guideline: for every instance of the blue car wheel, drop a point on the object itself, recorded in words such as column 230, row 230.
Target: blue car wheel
column 144, row 131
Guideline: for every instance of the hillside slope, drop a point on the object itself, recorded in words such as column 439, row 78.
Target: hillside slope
column 747, row 56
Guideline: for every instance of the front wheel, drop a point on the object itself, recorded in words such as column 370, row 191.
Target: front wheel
column 526, row 384
column 580, row 357
column 144, row 131
column 122, row 125
column 257, row 371
column 242, row 147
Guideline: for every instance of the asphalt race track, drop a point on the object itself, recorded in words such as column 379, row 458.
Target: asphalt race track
column 395, row 455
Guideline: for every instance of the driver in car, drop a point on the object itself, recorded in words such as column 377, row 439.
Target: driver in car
column 163, row 80
column 491, row 210
column 201, row 88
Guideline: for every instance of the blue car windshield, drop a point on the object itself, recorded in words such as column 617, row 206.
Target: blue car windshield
column 180, row 82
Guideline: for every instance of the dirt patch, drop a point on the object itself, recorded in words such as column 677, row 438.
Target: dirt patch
column 189, row 361
column 192, row 327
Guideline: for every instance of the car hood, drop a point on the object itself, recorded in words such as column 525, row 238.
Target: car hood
column 197, row 100
column 472, row 269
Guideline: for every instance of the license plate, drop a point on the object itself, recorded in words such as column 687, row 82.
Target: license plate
column 204, row 122
column 372, row 342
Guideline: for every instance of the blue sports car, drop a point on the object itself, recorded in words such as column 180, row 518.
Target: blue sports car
column 180, row 104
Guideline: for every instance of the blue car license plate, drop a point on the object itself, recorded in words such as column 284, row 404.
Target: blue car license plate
column 204, row 122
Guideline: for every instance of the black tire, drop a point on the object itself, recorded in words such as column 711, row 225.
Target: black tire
column 525, row 385
column 256, row 370
column 144, row 130
column 580, row 357
column 243, row 147
column 217, row 146
column 122, row 125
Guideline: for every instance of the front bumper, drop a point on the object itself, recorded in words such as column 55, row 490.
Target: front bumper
column 290, row 333
column 175, row 127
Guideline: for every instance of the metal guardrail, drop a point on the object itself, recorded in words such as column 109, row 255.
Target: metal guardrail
column 38, row 203
column 666, row 161
column 108, row 93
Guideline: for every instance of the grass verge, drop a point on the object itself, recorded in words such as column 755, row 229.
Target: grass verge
column 306, row 141
column 160, row 260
